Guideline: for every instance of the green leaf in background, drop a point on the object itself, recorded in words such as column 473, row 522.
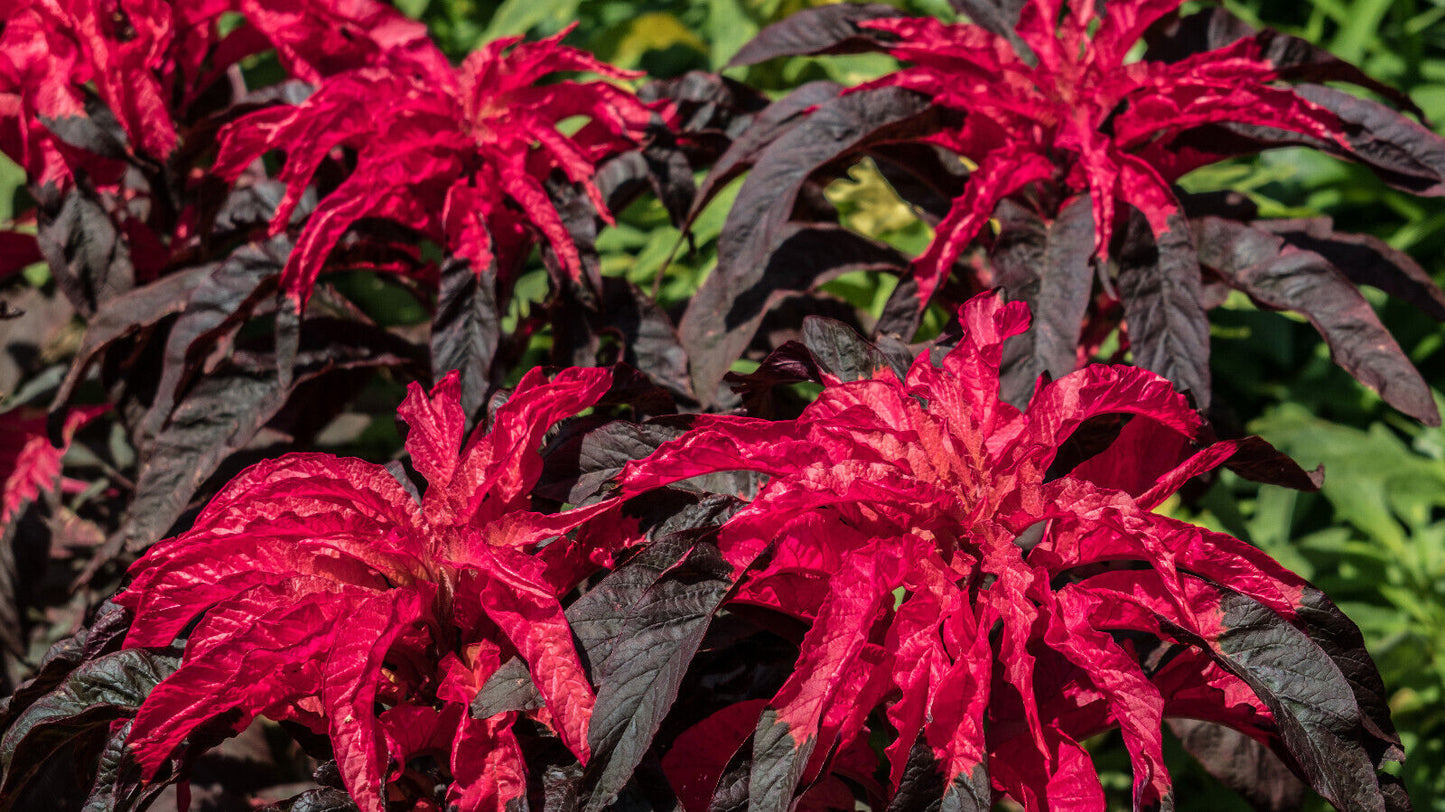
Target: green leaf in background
column 517, row 17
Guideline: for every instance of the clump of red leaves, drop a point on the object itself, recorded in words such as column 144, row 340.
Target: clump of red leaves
column 924, row 569
column 459, row 155
column 29, row 462
column 1073, row 147
column 1004, row 612
column 323, row 592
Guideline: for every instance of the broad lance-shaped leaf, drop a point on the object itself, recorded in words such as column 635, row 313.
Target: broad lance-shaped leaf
column 1278, row 275
column 95, row 694
column 1313, row 704
column 766, row 127
column 466, row 331
column 216, row 306
column 1242, row 764
column 726, row 311
column 843, row 355
column 721, row 319
column 831, row 29
column 641, row 675
column 219, row 416
column 87, row 255
column 617, row 609
column 1365, row 259
column 126, row 315
column 1168, row 329
column 1046, row 265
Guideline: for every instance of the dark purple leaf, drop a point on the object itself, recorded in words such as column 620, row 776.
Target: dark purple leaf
column 831, row 29
column 639, row 680
column 707, row 104
column 1258, row 461
column 921, row 788
column 103, row 636
column 579, row 465
column 98, row 131
column 1315, row 709
column 1242, row 764
column 221, row 414
column 325, row 799
column 836, row 128
column 92, row 696
column 598, row 617
column 903, row 310
column 998, row 17
column 467, row 331
column 560, row 785
column 789, row 363
column 1280, row 276
column 728, row 307
column 1365, row 259
column 1160, row 285
column 125, row 315
column 645, row 335
column 846, row 356
column 87, row 255
column 1341, row 639
column 1402, row 152
column 766, row 127
column 1049, row 266
column 509, row 688
column 777, row 765
column 216, row 307
column 661, row 168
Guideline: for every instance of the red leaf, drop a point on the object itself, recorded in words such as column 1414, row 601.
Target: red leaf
column 29, row 463
column 323, row 590
column 452, row 153
column 915, row 523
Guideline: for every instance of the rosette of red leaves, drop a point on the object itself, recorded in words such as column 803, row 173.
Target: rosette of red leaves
column 149, row 64
column 29, row 462
column 460, row 155
column 324, row 592
column 1003, row 611
column 1072, row 146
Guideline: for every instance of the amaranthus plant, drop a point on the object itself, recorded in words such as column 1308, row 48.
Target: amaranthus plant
column 1035, row 115
column 309, row 526
column 1002, row 609
column 325, row 589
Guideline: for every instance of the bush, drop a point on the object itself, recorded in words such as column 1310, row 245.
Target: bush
column 399, row 456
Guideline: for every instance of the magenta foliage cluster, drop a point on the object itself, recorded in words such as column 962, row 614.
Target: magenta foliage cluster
column 635, row 579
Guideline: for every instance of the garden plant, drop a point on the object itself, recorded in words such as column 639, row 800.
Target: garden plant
column 746, row 404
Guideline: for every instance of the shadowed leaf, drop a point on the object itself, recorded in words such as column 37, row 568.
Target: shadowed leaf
column 639, row 679
column 466, row 331
column 1159, row 283
column 831, row 29
column 1279, row 276
column 1048, row 265
column 92, row 696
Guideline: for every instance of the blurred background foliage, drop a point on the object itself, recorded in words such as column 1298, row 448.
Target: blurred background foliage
column 1373, row 538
